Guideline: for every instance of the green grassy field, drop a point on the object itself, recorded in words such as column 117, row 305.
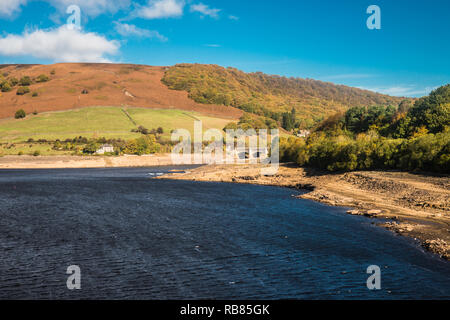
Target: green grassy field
column 108, row 122
column 30, row 149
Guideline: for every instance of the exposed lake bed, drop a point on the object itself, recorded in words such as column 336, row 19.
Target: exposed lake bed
column 135, row 237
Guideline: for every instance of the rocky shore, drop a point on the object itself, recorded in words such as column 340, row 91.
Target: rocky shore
column 416, row 205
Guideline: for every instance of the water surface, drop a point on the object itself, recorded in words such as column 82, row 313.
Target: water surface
column 138, row 238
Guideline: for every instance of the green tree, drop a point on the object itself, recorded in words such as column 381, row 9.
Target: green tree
column 287, row 122
column 354, row 119
column 404, row 106
column 143, row 145
column 432, row 111
column 90, row 148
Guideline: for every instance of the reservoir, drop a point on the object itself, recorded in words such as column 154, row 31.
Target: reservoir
column 134, row 237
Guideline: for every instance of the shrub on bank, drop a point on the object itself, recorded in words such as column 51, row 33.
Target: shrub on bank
column 6, row 86
column 42, row 78
column 20, row 114
column 22, row 91
column 25, row 81
column 13, row 81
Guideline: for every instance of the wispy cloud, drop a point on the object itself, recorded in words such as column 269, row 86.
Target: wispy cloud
column 157, row 9
column 347, row 76
column 205, row 10
column 59, row 45
column 232, row 17
column 152, row 9
column 401, row 90
column 130, row 30
column 213, row 45
column 91, row 7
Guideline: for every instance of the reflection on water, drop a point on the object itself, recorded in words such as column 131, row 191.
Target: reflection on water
column 138, row 238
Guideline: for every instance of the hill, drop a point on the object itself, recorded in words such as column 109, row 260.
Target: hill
column 269, row 95
column 72, row 86
column 206, row 89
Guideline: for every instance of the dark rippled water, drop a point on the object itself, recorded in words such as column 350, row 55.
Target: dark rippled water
column 138, row 238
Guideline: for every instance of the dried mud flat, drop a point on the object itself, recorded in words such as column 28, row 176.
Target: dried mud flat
column 67, row 162
column 416, row 205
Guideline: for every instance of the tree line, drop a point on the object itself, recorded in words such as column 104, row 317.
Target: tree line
column 406, row 137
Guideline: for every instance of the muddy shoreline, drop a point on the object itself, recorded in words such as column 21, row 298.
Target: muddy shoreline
column 71, row 162
column 416, row 205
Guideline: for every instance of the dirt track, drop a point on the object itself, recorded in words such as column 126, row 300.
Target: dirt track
column 418, row 205
column 106, row 85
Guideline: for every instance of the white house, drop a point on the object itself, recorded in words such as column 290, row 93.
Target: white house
column 106, row 148
column 303, row 133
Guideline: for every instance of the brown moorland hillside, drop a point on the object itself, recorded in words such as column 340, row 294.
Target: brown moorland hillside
column 103, row 85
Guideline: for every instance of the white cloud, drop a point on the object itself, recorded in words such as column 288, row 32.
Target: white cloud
column 156, row 9
column 231, row 17
column 128, row 30
column 205, row 10
column 9, row 7
column 213, row 45
column 59, row 45
column 91, row 7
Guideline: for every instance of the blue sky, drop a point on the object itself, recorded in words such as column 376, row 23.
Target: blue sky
column 323, row 39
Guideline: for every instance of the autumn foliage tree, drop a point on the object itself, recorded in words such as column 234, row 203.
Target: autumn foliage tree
column 377, row 137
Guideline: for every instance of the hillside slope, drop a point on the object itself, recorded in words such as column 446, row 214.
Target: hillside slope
column 103, row 84
column 269, row 95
column 97, row 122
column 206, row 89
